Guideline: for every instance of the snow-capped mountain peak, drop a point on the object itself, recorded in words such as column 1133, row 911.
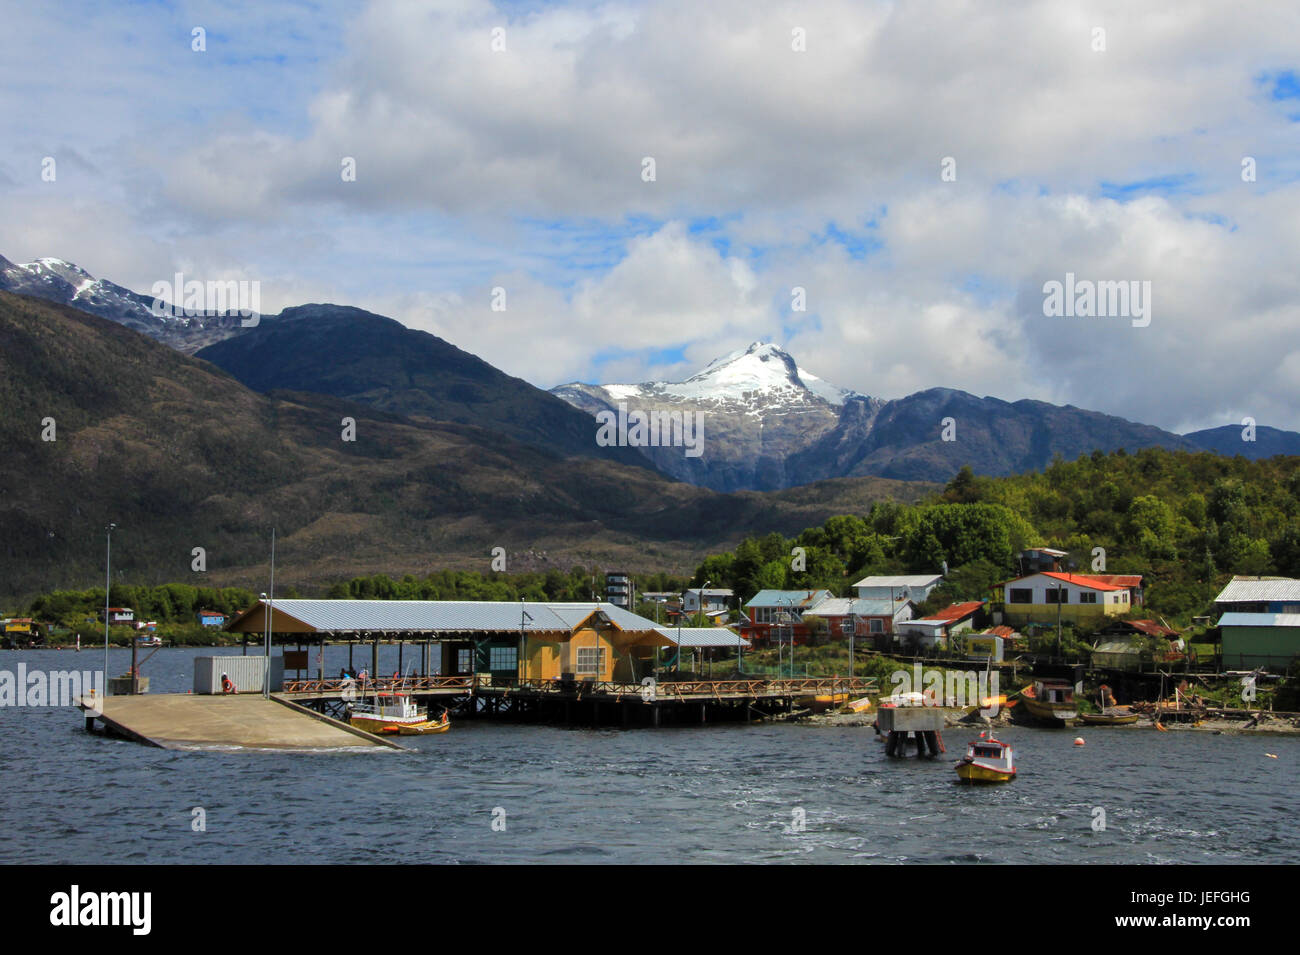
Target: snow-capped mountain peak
column 762, row 368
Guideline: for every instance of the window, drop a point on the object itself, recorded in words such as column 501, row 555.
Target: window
column 1020, row 595
column 1087, row 596
column 1054, row 592
column 877, row 625
column 464, row 660
column 591, row 661
column 503, row 658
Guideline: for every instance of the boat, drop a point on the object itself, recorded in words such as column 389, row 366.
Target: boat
column 1050, row 701
column 395, row 713
column 987, row 760
column 1111, row 716
column 151, row 641
column 860, row 706
column 823, row 701
column 1111, row 713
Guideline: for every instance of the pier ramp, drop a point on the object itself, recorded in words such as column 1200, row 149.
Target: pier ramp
column 186, row 721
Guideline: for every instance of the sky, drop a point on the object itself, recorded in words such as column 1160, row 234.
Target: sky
column 883, row 189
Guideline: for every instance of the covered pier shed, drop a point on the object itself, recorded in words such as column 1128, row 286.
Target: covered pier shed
column 511, row 641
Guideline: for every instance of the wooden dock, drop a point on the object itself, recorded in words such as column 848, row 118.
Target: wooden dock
column 186, row 721
column 588, row 702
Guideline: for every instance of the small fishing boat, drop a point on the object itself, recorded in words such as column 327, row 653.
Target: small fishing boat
column 823, row 701
column 1050, row 701
column 395, row 713
column 1111, row 713
column 150, row 641
column 1111, row 716
column 860, row 706
column 987, row 760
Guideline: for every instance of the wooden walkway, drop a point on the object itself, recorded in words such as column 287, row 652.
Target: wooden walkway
column 659, row 692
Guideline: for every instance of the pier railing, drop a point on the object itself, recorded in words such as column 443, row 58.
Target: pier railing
column 410, row 684
column 661, row 691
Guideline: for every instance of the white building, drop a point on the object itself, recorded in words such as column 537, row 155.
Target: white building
column 712, row 600
column 914, row 587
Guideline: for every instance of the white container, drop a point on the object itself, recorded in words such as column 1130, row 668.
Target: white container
column 245, row 672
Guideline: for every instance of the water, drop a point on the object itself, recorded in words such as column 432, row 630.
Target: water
column 726, row 793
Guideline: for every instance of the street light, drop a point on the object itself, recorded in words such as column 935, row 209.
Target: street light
column 108, row 583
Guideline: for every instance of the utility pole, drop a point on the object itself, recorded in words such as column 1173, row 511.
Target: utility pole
column 108, row 584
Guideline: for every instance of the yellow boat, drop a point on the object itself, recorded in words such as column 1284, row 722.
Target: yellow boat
column 1111, row 716
column 860, row 706
column 987, row 761
column 823, row 701
column 1050, row 702
column 395, row 713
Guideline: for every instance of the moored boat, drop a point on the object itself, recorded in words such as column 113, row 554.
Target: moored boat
column 987, row 760
column 1111, row 716
column 1050, row 701
column 392, row 712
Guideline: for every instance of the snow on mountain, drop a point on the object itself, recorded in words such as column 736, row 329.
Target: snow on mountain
column 758, row 378
column 58, row 280
column 759, row 408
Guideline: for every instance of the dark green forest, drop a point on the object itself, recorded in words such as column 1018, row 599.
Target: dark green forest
column 1186, row 521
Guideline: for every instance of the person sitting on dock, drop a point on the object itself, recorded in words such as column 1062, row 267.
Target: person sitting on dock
column 227, row 685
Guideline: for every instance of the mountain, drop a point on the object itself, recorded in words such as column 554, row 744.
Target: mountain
column 769, row 424
column 1228, row 440
column 759, row 409
column 376, row 361
column 58, row 281
column 182, row 455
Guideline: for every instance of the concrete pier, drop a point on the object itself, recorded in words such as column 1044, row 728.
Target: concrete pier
column 185, row 721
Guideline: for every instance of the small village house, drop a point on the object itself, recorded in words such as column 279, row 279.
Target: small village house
column 710, row 601
column 914, row 587
column 1050, row 595
column 772, row 613
column 1259, row 595
column 211, row 618
column 938, row 628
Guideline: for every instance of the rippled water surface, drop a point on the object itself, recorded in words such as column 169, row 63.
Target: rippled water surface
column 727, row 793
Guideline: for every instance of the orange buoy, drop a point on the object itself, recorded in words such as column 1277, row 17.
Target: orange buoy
column 1078, row 741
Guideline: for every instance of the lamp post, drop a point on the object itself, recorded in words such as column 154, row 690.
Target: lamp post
column 270, row 609
column 108, row 583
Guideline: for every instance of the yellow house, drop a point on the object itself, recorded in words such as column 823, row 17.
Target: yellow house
column 603, row 642
column 1040, row 598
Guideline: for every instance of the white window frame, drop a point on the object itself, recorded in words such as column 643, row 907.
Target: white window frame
column 585, row 668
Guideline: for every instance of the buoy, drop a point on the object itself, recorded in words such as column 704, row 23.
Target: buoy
column 1271, row 755
column 1078, row 741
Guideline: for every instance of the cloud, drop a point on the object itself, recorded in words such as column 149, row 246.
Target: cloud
column 522, row 169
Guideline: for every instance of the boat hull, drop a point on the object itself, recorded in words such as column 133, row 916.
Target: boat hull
column 426, row 728
column 1100, row 719
column 387, row 725
column 1056, row 714
column 977, row 773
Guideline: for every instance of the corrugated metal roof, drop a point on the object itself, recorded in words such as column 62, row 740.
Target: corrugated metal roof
column 704, row 637
column 877, row 607
column 1243, row 589
column 1235, row 619
column 863, row 607
column 795, row 599
column 450, row 616
column 913, row 580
